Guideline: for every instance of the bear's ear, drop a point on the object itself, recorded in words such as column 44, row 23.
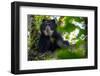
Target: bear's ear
column 53, row 20
column 43, row 20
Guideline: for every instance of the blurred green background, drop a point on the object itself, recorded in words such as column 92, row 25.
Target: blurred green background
column 73, row 29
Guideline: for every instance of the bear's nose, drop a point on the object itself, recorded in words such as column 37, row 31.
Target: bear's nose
column 47, row 28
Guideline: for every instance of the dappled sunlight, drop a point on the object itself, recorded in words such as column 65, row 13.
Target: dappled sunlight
column 79, row 24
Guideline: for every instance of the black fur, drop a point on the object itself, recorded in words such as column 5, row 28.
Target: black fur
column 52, row 41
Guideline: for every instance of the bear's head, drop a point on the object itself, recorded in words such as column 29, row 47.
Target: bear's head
column 48, row 27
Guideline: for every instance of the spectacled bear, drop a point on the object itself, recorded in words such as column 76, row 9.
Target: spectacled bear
column 50, row 39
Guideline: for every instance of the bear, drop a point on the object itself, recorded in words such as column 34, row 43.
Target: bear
column 50, row 39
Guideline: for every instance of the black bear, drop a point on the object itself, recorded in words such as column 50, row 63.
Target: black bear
column 50, row 39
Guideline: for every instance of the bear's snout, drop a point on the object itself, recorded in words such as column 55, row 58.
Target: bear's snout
column 48, row 31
